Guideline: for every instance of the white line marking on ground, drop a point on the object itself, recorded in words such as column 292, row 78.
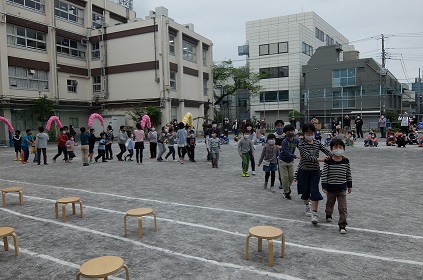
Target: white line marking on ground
column 163, row 250
column 327, row 250
column 214, row 209
column 49, row 258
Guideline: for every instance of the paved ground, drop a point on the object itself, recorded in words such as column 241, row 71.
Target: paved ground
column 204, row 215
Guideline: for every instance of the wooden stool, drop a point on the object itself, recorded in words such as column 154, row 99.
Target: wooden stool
column 8, row 190
column 139, row 212
column 102, row 267
column 9, row 231
column 64, row 202
column 265, row 232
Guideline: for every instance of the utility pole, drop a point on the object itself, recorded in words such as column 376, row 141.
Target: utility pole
column 383, row 73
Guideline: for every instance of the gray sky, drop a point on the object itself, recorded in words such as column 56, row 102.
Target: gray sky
column 223, row 22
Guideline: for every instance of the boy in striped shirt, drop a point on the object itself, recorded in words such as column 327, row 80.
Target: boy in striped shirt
column 336, row 181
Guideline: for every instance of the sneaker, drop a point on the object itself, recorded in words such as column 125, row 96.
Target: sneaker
column 104, row 161
column 85, row 164
column 314, row 218
column 243, row 174
column 280, row 187
column 193, row 160
column 54, row 160
column 328, row 219
column 287, row 196
column 265, row 185
column 175, row 160
column 130, row 159
column 342, row 230
column 254, row 173
column 92, row 162
column 308, row 211
column 96, row 160
column 16, row 159
column 246, row 174
column 272, row 189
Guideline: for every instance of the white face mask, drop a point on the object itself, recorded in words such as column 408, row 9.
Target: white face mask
column 153, row 129
column 271, row 142
column 214, row 125
column 309, row 137
column 338, row 152
column 246, row 136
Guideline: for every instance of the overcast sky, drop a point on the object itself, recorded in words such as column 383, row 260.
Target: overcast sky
column 223, row 22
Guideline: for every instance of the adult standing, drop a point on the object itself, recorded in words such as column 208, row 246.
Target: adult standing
column 382, row 126
column 263, row 126
column 139, row 142
column 405, row 122
column 335, row 125
column 359, row 126
column 235, row 127
column 123, row 136
column 152, row 139
column 72, row 131
column 347, row 124
column 84, row 137
column 41, row 145
column 314, row 121
column 293, row 122
column 109, row 139
column 61, row 145
column 181, row 140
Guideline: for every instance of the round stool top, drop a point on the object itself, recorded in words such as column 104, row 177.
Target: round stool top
column 266, row 232
column 4, row 231
column 68, row 199
column 12, row 189
column 139, row 212
column 102, row 266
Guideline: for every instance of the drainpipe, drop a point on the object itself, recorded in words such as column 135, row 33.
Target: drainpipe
column 155, row 50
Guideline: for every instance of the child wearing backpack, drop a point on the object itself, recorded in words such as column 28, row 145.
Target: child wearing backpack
column 269, row 158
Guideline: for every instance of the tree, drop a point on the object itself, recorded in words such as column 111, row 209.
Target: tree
column 137, row 112
column 231, row 79
column 42, row 107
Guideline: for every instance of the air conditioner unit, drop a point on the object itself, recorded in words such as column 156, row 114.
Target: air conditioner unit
column 84, row 41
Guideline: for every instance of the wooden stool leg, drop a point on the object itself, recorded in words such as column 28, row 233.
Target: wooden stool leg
column 283, row 246
column 270, row 243
column 155, row 225
column 80, row 207
column 127, row 271
column 56, row 210
column 15, row 243
column 106, row 278
column 140, row 226
column 247, row 245
column 64, row 212
column 21, row 201
column 260, row 244
column 3, row 199
column 124, row 225
column 78, row 276
column 6, row 243
column 73, row 208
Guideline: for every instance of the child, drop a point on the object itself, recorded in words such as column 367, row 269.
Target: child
column 245, row 149
column 214, row 148
column 181, row 139
column 412, row 137
column 109, row 139
column 17, row 140
column 349, row 140
column 269, row 157
column 286, row 159
column 34, row 151
column 191, row 145
column 130, row 144
column 41, row 144
column 253, row 138
column 152, row 139
column 390, row 138
column 26, row 142
column 171, row 144
column 309, row 171
column 279, row 124
column 401, row 140
column 102, row 148
column 70, row 147
column 91, row 142
column 161, row 144
column 336, row 180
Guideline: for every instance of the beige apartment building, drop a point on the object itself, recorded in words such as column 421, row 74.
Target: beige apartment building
column 97, row 56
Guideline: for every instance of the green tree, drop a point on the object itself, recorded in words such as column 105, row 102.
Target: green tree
column 42, row 107
column 231, row 79
column 137, row 112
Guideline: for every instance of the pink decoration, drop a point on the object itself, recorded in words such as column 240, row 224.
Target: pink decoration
column 9, row 125
column 145, row 121
column 95, row 116
column 53, row 119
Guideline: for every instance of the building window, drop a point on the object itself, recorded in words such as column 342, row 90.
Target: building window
column 97, row 84
column 97, row 21
column 329, row 41
column 274, row 96
column 204, row 57
column 343, row 99
column 31, row 4
column 274, row 72
column 339, row 45
column 172, row 79
column 273, row 48
column 25, row 37
column 171, row 45
column 95, row 52
column 72, row 84
column 70, row 47
column 74, row 122
column 307, row 49
column 320, row 34
column 189, row 52
column 68, row 12
column 205, row 89
column 24, row 78
column 343, row 77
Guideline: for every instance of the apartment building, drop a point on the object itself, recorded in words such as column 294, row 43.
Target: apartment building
column 278, row 47
column 97, row 56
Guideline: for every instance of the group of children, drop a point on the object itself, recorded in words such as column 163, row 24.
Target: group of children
column 279, row 155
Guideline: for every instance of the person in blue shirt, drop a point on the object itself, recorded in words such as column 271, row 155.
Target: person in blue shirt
column 26, row 143
column 102, row 148
column 286, row 159
column 84, row 136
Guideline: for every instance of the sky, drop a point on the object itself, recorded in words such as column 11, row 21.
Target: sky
column 223, row 22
